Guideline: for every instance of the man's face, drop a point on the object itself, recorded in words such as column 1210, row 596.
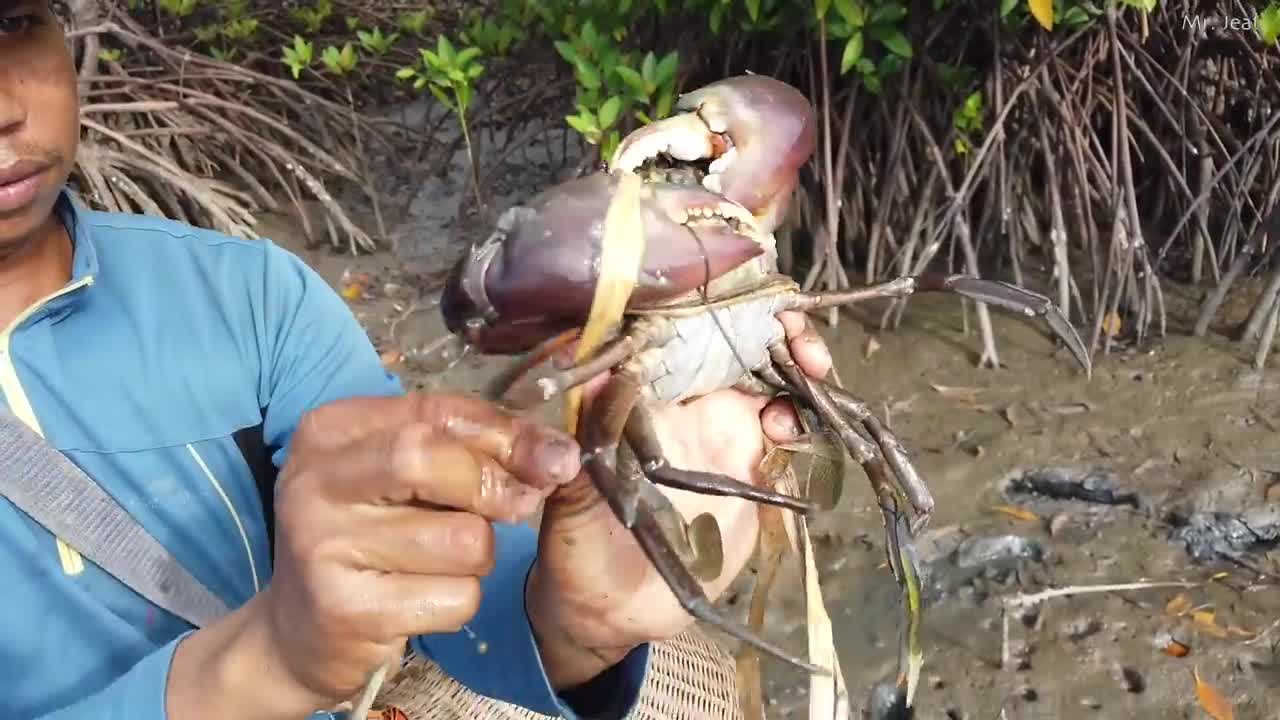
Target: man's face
column 39, row 116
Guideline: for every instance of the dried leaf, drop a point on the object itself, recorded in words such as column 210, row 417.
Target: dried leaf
column 1111, row 324
column 353, row 291
column 870, row 347
column 1206, row 622
column 964, row 394
column 621, row 255
column 829, row 696
column 1176, row 649
column 1179, row 605
column 1043, row 12
column 1016, row 513
column 1213, row 702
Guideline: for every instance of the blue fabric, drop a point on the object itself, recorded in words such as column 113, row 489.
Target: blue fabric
column 181, row 338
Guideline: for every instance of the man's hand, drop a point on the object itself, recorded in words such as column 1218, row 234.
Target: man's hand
column 593, row 595
column 383, row 523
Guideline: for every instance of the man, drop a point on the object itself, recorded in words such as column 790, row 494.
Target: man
column 177, row 366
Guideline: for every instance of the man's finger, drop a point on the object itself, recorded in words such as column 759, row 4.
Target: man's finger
column 807, row 346
column 397, row 606
column 780, row 422
column 533, row 451
column 416, row 465
column 419, row 541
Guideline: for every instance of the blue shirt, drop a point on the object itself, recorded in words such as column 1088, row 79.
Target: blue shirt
column 172, row 359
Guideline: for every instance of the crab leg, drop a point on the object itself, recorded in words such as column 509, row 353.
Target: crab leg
column 524, row 390
column 649, row 514
column 642, row 436
column 994, row 292
column 813, row 392
column 898, row 546
column 894, row 453
column 890, row 446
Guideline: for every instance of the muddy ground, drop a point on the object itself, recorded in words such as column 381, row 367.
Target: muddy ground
column 1163, row 436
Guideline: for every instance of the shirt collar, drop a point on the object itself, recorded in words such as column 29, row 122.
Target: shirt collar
column 84, row 257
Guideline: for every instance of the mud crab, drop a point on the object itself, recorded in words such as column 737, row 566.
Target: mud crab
column 718, row 176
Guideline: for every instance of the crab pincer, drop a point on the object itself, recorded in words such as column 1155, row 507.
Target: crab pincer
column 753, row 132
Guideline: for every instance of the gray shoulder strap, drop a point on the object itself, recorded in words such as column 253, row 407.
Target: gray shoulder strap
column 49, row 488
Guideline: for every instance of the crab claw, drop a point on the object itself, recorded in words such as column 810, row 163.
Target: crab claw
column 756, row 131
column 535, row 275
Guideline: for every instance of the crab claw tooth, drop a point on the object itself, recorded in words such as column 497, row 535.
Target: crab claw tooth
column 683, row 137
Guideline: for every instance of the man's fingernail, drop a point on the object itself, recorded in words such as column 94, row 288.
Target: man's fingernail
column 557, row 455
column 784, row 423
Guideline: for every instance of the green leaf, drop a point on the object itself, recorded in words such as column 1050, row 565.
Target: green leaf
column 610, row 144
column 1269, row 24
column 872, row 83
column 405, row 73
column 445, row 50
column 566, row 51
column 891, row 12
column 444, row 99
column 588, row 75
column 665, row 101
column 820, row 8
column 666, row 72
column 852, row 12
column 582, row 124
column 852, row 52
column 648, row 69
column 1007, row 6
column 753, row 10
column 1075, row 16
column 893, row 39
column 466, row 56
column 632, row 79
column 609, row 112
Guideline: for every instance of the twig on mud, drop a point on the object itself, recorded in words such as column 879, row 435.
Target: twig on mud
column 1263, row 634
column 1025, row 600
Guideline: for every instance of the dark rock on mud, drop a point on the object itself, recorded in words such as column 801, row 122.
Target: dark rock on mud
column 1055, row 483
column 887, row 702
column 962, row 566
column 1210, row 536
column 986, row 552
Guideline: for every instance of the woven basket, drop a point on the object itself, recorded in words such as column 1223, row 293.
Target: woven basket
column 690, row 678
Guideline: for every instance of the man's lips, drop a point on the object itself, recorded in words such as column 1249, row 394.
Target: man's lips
column 19, row 183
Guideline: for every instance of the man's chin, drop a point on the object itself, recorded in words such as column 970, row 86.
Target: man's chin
column 25, row 224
